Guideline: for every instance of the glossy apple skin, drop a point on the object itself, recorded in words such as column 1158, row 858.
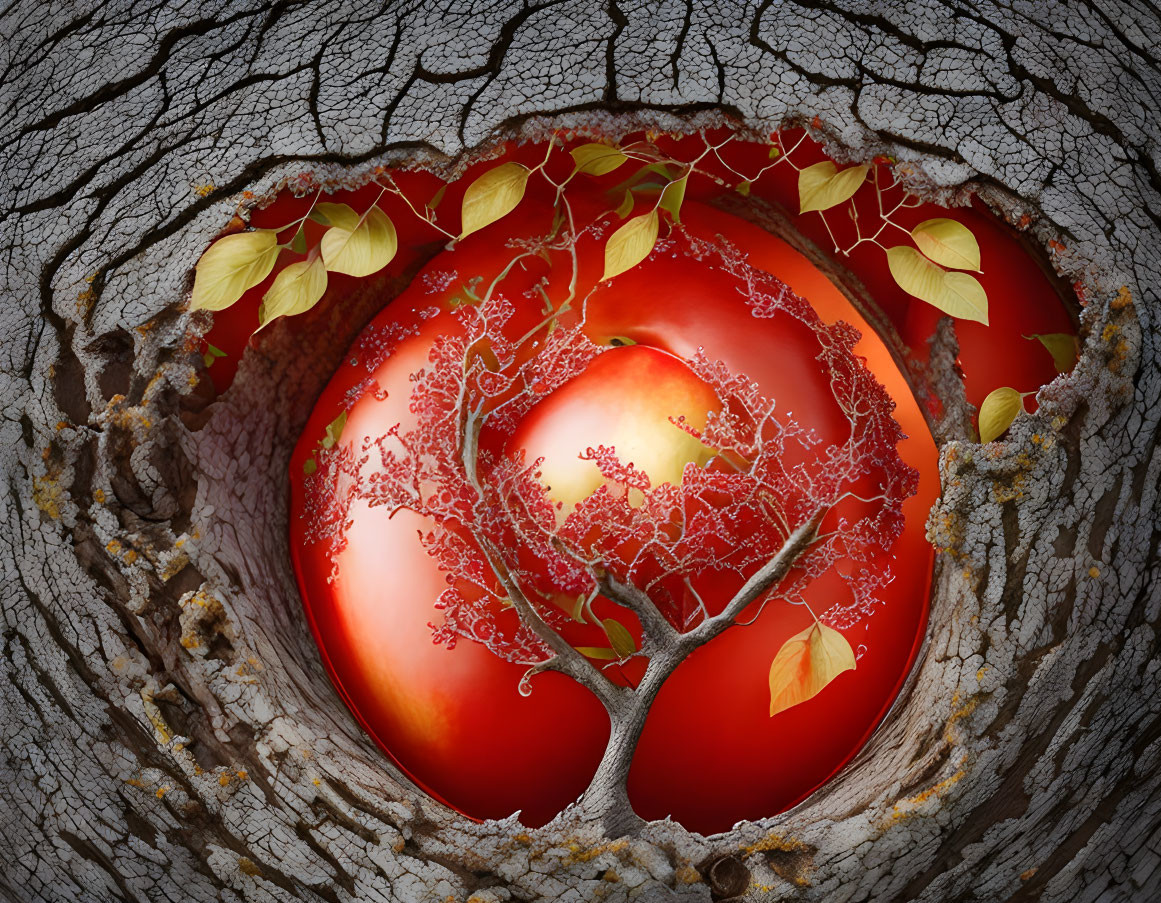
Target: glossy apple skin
column 710, row 755
column 623, row 399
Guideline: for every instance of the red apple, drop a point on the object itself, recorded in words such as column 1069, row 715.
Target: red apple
column 624, row 399
column 710, row 754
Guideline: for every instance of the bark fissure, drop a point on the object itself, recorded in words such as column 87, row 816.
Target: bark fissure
column 1035, row 694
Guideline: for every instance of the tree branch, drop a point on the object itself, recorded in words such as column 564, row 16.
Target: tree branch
column 568, row 660
column 769, row 575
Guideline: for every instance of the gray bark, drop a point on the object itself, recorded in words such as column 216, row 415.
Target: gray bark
column 166, row 730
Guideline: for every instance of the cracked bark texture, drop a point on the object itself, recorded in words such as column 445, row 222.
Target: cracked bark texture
column 166, row 730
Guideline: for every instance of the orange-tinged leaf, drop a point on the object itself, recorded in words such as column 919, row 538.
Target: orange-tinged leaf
column 806, row 663
column 630, row 244
column 824, row 185
column 230, row 266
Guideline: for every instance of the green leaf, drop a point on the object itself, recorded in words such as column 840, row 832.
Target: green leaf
column 493, row 195
column 1062, row 347
column 309, row 466
column 230, row 266
column 296, row 289
column 362, row 250
column 743, row 188
column 598, row 652
column 298, row 243
column 956, row 294
column 619, row 637
column 948, row 243
column 999, row 409
column 630, row 244
column 597, row 159
column 823, row 185
column 672, row 197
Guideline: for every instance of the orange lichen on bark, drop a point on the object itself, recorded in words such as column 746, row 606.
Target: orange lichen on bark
column 46, row 493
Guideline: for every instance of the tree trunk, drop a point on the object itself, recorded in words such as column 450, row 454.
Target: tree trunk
column 166, row 729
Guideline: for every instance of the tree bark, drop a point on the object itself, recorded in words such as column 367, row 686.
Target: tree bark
column 166, row 729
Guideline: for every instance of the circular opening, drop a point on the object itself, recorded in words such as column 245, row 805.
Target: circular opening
column 516, row 442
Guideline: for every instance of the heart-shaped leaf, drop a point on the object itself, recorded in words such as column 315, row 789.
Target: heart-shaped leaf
column 824, row 185
column 999, row 409
column 231, row 265
column 806, row 663
column 948, row 243
column 363, row 250
column 956, row 294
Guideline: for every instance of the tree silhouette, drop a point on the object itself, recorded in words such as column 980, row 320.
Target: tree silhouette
column 774, row 508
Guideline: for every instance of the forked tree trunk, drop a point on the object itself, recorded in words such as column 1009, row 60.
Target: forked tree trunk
column 166, row 730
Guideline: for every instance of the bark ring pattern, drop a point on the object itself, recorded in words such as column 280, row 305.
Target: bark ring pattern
column 1022, row 761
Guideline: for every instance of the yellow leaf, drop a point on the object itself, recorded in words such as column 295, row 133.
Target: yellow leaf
column 597, row 159
column 230, row 266
column 493, row 195
column 672, row 197
column 597, row 652
column 626, row 205
column 806, row 663
column 630, row 244
column 296, row 289
column 334, row 430
column 948, row 243
column 363, row 250
column 743, row 188
column 1061, row 346
column 823, row 186
column 956, row 294
column 998, row 411
column 341, row 215
column 619, row 637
